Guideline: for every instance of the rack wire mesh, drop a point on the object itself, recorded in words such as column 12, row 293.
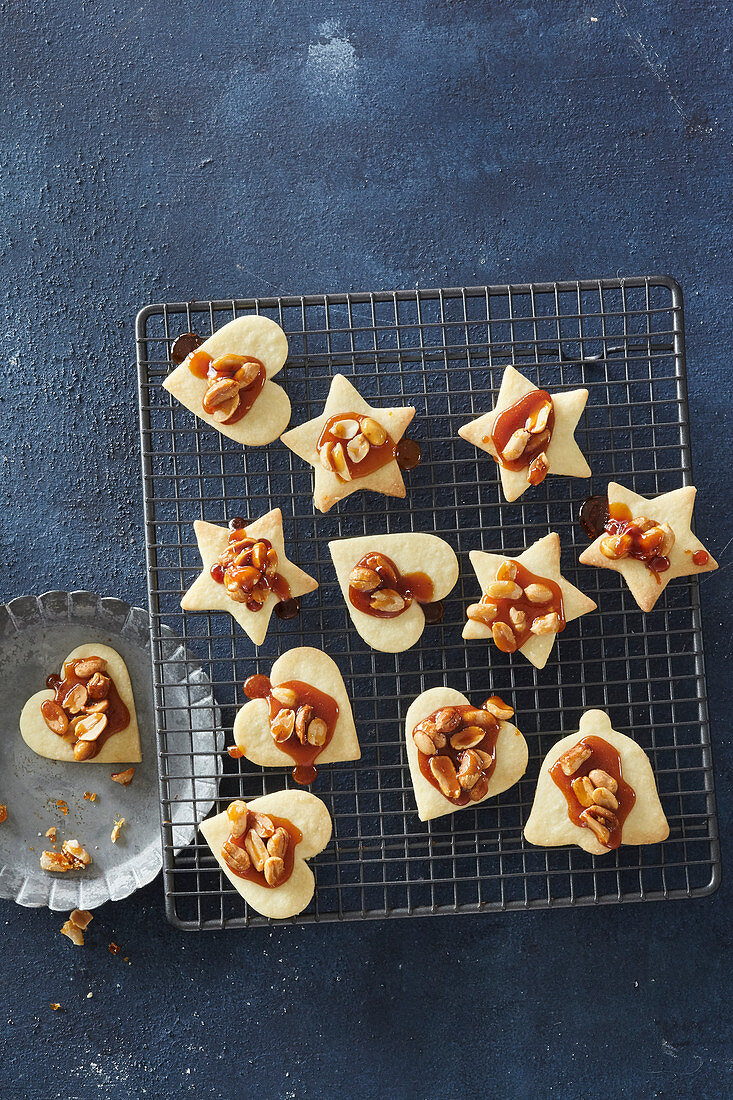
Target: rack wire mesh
column 441, row 351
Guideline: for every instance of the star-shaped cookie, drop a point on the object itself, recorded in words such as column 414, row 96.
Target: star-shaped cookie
column 564, row 457
column 673, row 508
column 254, row 336
column 329, row 487
column 542, row 559
column 206, row 594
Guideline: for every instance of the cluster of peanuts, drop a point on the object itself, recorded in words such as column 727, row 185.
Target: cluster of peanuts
column 382, row 596
column 232, row 373
column 596, row 792
column 354, row 438
column 535, row 431
column 463, row 729
column 647, row 538
column 292, row 718
column 249, row 565
column 81, row 714
column 505, row 587
column 265, row 846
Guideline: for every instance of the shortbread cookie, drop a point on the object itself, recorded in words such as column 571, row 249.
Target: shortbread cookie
column 460, row 755
column 262, row 846
column 245, row 572
column 227, row 381
column 596, row 789
column 530, row 433
column 525, row 600
column 649, row 541
column 351, row 446
column 300, row 715
column 386, row 580
column 86, row 715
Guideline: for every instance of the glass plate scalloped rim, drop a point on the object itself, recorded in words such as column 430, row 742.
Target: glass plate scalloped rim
column 36, row 634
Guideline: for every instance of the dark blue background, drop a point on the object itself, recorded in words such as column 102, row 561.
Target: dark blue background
column 162, row 151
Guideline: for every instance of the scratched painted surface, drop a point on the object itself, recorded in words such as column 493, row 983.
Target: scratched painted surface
column 160, row 151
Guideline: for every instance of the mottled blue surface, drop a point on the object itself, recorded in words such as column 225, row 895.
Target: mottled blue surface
column 155, row 151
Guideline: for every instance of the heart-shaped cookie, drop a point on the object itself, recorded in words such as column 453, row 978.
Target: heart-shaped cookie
column 307, row 814
column 385, row 601
column 268, row 416
column 122, row 746
column 549, row 824
column 510, row 751
column 299, row 667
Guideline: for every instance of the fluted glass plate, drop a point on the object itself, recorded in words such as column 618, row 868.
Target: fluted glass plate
column 36, row 634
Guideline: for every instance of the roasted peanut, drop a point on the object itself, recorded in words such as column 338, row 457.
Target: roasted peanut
column 484, row 613
column 601, row 778
column 54, row 717
column 445, row 774
column 467, row 738
column 274, row 869
column 538, row 593
column 255, row 847
column 571, row 760
column 603, row 797
column 364, row 580
column 583, row 790
column 503, row 636
column 282, row 725
column 373, row 431
column 447, row 719
column 84, row 667
column 284, row 695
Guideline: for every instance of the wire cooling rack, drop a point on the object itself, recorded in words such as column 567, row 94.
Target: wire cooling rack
column 441, row 351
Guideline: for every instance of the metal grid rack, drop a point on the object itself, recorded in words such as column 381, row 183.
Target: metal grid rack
column 442, row 351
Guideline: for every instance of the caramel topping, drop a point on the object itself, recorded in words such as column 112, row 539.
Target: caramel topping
column 409, row 453
column 294, row 707
column 377, row 587
column 518, row 605
column 352, row 445
column 234, row 382
column 523, row 432
column 184, row 344
column 598, row 762
column 701, row 557
column 593, row 515
column 640, row 538
column 247, row 568
column 243, row 844
column 86, row 709
column 456, row 751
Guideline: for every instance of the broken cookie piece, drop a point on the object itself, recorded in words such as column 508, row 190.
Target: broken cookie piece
column 246, row 573
column 300, row 715
column 226, row 381
column 596, row 789
column 351, row 446
column 459, row 755
column 75, row 927
column 87, row 712
column 261, row 846
column 72, row 857
column 648, row 540
column 525, row 600
column 387, row 580
column 530, row 433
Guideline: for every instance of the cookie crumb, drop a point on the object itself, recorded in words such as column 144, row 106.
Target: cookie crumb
column 55, row 1006
column 90, row 796
column 117, row 829
column 62, row 806
column 3, row 812
column 51, row 834
column 113, row 948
